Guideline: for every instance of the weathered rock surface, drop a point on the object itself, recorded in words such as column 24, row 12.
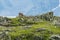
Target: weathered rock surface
column 48, row 16
column 55, row 37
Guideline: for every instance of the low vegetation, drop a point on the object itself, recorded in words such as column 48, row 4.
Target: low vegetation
column 30, row 28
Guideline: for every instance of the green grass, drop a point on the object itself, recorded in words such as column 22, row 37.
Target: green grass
column 31, row 31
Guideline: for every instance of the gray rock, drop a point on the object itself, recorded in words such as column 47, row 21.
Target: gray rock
column 48, row 16
column 54, row 37
column 27, row 26
column 38, row 38
column 4, row 35
column 44, row 31
column 41, row 29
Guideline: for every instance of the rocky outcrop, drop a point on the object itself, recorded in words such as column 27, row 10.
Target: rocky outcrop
column 4, row 21
column 56, row 21
column 48, row 16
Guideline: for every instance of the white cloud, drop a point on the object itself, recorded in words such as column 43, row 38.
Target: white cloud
column 10, row 16
column 55, row 8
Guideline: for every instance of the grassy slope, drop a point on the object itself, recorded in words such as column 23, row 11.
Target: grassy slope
column 18, row 31
column 31, row 30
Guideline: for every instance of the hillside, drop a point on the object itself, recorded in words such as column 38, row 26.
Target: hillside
column 39, row 27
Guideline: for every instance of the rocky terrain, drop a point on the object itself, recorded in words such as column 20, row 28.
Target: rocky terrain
column 39, row 27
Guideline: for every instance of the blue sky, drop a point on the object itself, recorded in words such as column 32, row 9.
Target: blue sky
column 28, row 7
